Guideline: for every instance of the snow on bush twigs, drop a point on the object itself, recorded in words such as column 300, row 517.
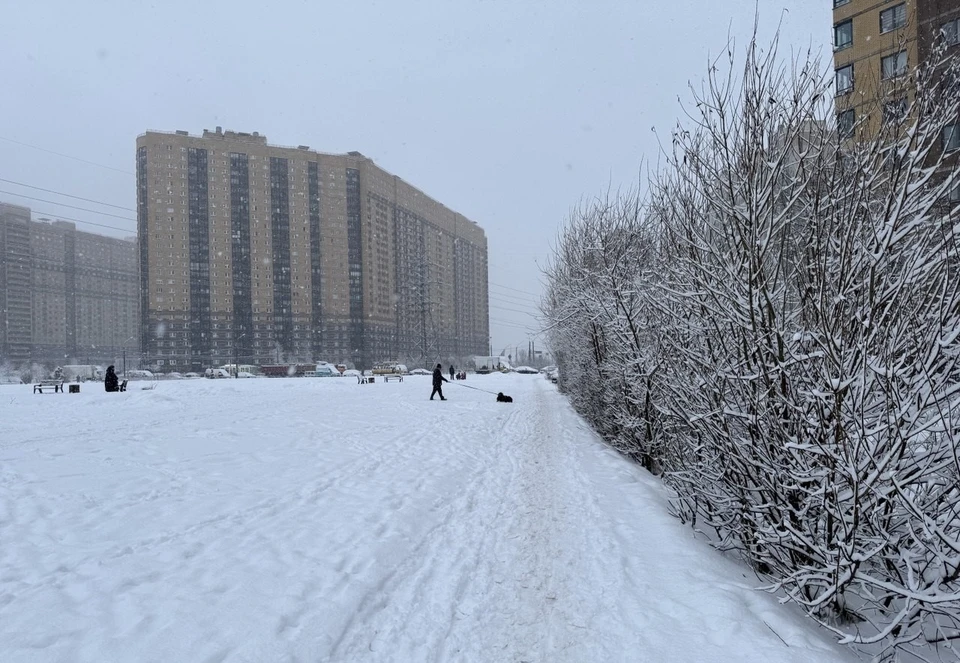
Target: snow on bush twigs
column 774, row 329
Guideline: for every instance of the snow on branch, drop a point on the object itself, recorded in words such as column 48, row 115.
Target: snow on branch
column 774, row 329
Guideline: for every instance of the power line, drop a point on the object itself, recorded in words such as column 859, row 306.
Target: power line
column 67, row 195
column 510, row 329
column 507, row 287
column 89, row 223
column 509, row 323
column 66, row 156
column 512, row 310
column 525, row 292
column 54, row 202
column 532, row 310
column 511, row 299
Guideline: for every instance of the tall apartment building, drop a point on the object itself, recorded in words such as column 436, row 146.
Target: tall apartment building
column 268, row 254
column 66, row 296
column 877, row 42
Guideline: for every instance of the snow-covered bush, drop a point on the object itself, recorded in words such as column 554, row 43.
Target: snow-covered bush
column 776, row 331
column 605, row 330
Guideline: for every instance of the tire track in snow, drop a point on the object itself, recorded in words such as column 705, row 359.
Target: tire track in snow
column 489, row 581
column 527, row 557
column 424, row 590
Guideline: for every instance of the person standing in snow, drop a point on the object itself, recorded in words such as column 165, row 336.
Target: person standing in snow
column 438, row 381
column 110, row 382
column 451, row 371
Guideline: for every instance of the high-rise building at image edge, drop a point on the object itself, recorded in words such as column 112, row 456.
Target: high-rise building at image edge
column 66, row 296
column 876, row 45
column 267, row 254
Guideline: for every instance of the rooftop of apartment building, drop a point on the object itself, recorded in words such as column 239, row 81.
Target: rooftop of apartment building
column 258, row 139
column 24, row 213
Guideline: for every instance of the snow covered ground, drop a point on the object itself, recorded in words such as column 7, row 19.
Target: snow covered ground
column 322, row 520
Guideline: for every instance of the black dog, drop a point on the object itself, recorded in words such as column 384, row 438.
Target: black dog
column 503, row 399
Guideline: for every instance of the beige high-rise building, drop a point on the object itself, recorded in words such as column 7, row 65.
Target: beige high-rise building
column 876, row 43
column 270, row 254
column 66, row 296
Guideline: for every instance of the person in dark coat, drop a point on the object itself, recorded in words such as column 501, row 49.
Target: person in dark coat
column 451, row 371
column 438, row 381
column 110, row 382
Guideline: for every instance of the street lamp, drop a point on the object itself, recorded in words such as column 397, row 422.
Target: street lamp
column 236, row 355
column 125, row 355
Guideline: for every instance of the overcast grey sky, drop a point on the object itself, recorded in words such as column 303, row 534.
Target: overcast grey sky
column 507, row 111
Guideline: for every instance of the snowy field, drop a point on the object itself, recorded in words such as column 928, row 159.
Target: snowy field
column 321, row 520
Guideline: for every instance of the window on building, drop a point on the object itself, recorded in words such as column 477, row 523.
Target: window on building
column 951, row 137
column 954, row 195
column 845, row 122
column 893, row 18
column 842, row 35
column 845, row 79
column 839, row 3
column 895, row 111
column 894, row 65
column 951, row 32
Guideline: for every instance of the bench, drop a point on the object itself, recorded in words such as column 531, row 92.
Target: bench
column 398, row 378
column 56, row 385
column 362, row 379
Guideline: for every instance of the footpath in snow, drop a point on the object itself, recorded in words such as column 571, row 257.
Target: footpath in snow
column 321, row 520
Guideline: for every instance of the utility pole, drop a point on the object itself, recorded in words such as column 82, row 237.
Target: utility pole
column 421, row 304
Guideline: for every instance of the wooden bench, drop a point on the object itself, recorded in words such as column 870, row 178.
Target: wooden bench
column 398, row 378
column 56, row 385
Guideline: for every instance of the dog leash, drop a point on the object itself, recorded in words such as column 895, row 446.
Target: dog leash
column 474, row 388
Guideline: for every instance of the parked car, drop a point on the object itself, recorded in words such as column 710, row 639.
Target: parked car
column 191, row 375
column 387, row 368
column 420, row 371
column 214, row 373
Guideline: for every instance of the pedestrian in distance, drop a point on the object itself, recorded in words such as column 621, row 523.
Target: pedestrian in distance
column 451, row 371
column 110, row 382
column 438, row 381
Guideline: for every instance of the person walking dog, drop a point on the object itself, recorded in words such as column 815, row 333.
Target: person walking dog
column 438, row 381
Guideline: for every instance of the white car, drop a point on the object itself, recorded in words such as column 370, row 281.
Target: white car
column 420, row 371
